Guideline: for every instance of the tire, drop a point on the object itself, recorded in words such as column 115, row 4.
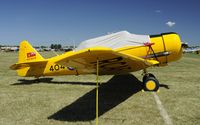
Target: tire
column 148, row 75
column 151, row 84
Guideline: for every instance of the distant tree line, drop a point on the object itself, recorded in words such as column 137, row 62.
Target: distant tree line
column 53, row 46
column 56, row 46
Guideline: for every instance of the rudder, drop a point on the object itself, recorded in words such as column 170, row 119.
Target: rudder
column 27, row 53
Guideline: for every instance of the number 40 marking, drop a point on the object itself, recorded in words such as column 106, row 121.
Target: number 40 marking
column 56, row 67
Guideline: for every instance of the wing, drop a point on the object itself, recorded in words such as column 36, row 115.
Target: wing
column 110, row 61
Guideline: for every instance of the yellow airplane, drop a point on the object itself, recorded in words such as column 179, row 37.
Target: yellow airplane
column 117, row 53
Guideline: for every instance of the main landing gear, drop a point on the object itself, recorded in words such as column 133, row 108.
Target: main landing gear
column 150, row 83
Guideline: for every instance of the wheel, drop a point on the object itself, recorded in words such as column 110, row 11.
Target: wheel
column 148, row 75
column 151, row 84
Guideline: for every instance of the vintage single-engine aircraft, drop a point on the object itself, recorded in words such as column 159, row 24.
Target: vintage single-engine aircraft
column 116, row 53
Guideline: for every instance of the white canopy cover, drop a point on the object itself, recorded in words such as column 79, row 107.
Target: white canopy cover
column 115, row 40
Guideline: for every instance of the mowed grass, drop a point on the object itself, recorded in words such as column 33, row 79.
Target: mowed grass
column 71, row 99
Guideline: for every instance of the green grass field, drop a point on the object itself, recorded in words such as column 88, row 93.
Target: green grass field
column 71, row 99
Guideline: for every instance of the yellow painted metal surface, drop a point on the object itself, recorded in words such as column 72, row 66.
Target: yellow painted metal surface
column 173, row 45
column 28, row 53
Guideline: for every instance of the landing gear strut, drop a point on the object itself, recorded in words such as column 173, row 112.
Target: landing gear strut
column 150, row 83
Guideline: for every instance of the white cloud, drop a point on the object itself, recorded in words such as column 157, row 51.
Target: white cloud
column 170, row 23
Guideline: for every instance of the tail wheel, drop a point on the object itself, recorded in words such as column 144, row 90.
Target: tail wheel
column 151, row 84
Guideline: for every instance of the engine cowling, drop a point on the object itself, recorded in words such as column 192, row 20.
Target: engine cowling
column 168, row 44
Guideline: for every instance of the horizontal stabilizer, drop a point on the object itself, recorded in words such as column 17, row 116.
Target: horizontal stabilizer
column 18, row 66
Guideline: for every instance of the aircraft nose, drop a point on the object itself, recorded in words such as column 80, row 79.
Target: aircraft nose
column 173, row 46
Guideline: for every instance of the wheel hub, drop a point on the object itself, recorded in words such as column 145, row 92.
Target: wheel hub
column 150, row 85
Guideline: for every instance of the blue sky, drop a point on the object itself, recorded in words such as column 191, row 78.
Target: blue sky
column 43, row 22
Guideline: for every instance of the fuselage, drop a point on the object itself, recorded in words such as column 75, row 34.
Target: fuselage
column 165, row 48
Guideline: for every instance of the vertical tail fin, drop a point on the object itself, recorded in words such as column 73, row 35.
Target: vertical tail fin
column 27, row 53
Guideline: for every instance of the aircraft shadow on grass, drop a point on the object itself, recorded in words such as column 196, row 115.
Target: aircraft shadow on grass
column 118, row 89
column 49, row 81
